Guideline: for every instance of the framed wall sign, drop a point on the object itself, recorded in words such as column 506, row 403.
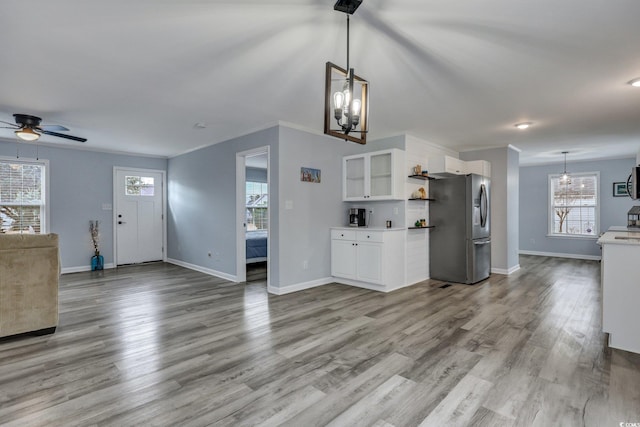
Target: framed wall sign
column 309, row 175
column 620, row 189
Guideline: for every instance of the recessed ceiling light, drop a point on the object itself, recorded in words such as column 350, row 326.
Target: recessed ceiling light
column 523, row 125
column 635, row 82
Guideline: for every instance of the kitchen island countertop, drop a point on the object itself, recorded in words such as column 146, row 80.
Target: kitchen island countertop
column 620, row 237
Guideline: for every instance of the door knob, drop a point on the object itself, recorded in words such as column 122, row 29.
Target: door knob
column 121, row 222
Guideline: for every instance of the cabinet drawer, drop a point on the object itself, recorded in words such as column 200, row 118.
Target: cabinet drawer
column 343, row 235
column 371, row 236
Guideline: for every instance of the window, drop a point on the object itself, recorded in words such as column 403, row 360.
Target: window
column 257, row 204
column 574, row 205
column 23, row 207
column 139, row 185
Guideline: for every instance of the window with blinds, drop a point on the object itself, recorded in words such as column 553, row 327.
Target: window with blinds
column 22, row 196
column 257, row 205
column 574, row 205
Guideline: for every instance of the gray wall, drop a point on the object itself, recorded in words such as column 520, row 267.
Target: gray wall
column 504, row 205
column 534, row 205
column 80, row 182
column 316, row 207
column 202, row 194
column 202, row 203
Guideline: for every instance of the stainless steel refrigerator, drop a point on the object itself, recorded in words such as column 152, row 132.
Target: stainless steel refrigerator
column 460, row 243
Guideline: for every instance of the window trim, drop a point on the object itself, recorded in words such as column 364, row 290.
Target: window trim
column 45, row 220
column 550, row 213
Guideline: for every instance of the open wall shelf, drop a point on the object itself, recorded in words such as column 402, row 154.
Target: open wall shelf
column 424, row 177
column 419, row 228
column 427, row 199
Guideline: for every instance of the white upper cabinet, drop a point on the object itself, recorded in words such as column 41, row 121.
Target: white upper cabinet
column 373, row 176
column 447, row 165
column 480, row 167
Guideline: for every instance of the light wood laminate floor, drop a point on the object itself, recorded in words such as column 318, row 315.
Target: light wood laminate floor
column 161, row 345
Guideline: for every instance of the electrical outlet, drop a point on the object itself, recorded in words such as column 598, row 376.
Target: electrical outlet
column 395, row 211
column 305, row 264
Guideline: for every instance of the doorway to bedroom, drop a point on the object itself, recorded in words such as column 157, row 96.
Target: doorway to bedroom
column 253, row 215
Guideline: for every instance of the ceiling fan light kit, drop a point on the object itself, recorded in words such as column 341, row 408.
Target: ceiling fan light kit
column 635, row 82
column 346, row 98
column 523, row 125
column 27, row 134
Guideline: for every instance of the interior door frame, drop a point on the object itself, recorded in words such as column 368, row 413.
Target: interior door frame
column 241, row 189
column 163, row 173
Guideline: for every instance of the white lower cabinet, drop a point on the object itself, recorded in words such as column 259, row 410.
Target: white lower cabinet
column 369, row 258
column 343, row 256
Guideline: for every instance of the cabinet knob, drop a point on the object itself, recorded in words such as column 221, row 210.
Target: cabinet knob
column 342, row 235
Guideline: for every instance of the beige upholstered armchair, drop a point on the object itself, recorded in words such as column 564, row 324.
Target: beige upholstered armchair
column 29, row 273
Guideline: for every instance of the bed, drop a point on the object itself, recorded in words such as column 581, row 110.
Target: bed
column 256, row 246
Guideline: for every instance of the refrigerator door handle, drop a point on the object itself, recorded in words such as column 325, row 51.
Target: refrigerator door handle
column 483, row 205
column 484, row 242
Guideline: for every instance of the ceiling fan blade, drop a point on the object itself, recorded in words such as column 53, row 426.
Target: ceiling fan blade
column 15, row 126
column 53, row 128
column 62, row 135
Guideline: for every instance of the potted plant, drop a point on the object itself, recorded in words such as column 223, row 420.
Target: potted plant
column 97, row 260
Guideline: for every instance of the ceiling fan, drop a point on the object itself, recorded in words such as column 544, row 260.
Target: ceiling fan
column 28, row 128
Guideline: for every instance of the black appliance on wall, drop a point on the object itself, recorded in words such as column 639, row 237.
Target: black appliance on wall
column 357, row 217
column 633, row 183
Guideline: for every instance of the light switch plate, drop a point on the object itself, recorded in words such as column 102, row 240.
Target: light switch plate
column 107, row 207
column 288, row 204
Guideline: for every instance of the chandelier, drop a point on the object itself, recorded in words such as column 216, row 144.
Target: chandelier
column 346, row 101
column 565, row 178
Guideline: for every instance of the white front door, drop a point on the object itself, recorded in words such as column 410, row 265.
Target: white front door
column 138, row 216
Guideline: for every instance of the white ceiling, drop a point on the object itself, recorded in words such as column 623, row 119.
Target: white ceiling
column 137, row 76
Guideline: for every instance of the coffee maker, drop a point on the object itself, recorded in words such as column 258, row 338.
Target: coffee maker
column 357, row 217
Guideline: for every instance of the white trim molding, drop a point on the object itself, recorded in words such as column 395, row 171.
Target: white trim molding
column 69, row 270
column 506, row 272
column 299, row 286
column 204, row 270
column 561, row 255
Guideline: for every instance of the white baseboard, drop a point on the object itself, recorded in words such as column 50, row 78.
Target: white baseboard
column 299, row 286
column 561, row 255
column 204, row 270
column 506, row 272
column 68, row 270
column 371, row 286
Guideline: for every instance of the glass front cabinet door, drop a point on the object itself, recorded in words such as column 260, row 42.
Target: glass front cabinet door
column 373, row 176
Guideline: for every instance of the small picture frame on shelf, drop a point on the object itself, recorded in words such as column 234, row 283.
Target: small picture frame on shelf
column 620, row 189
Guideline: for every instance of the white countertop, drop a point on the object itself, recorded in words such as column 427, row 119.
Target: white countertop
column 620, row 238
column 368, row 228
column 623, row 228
